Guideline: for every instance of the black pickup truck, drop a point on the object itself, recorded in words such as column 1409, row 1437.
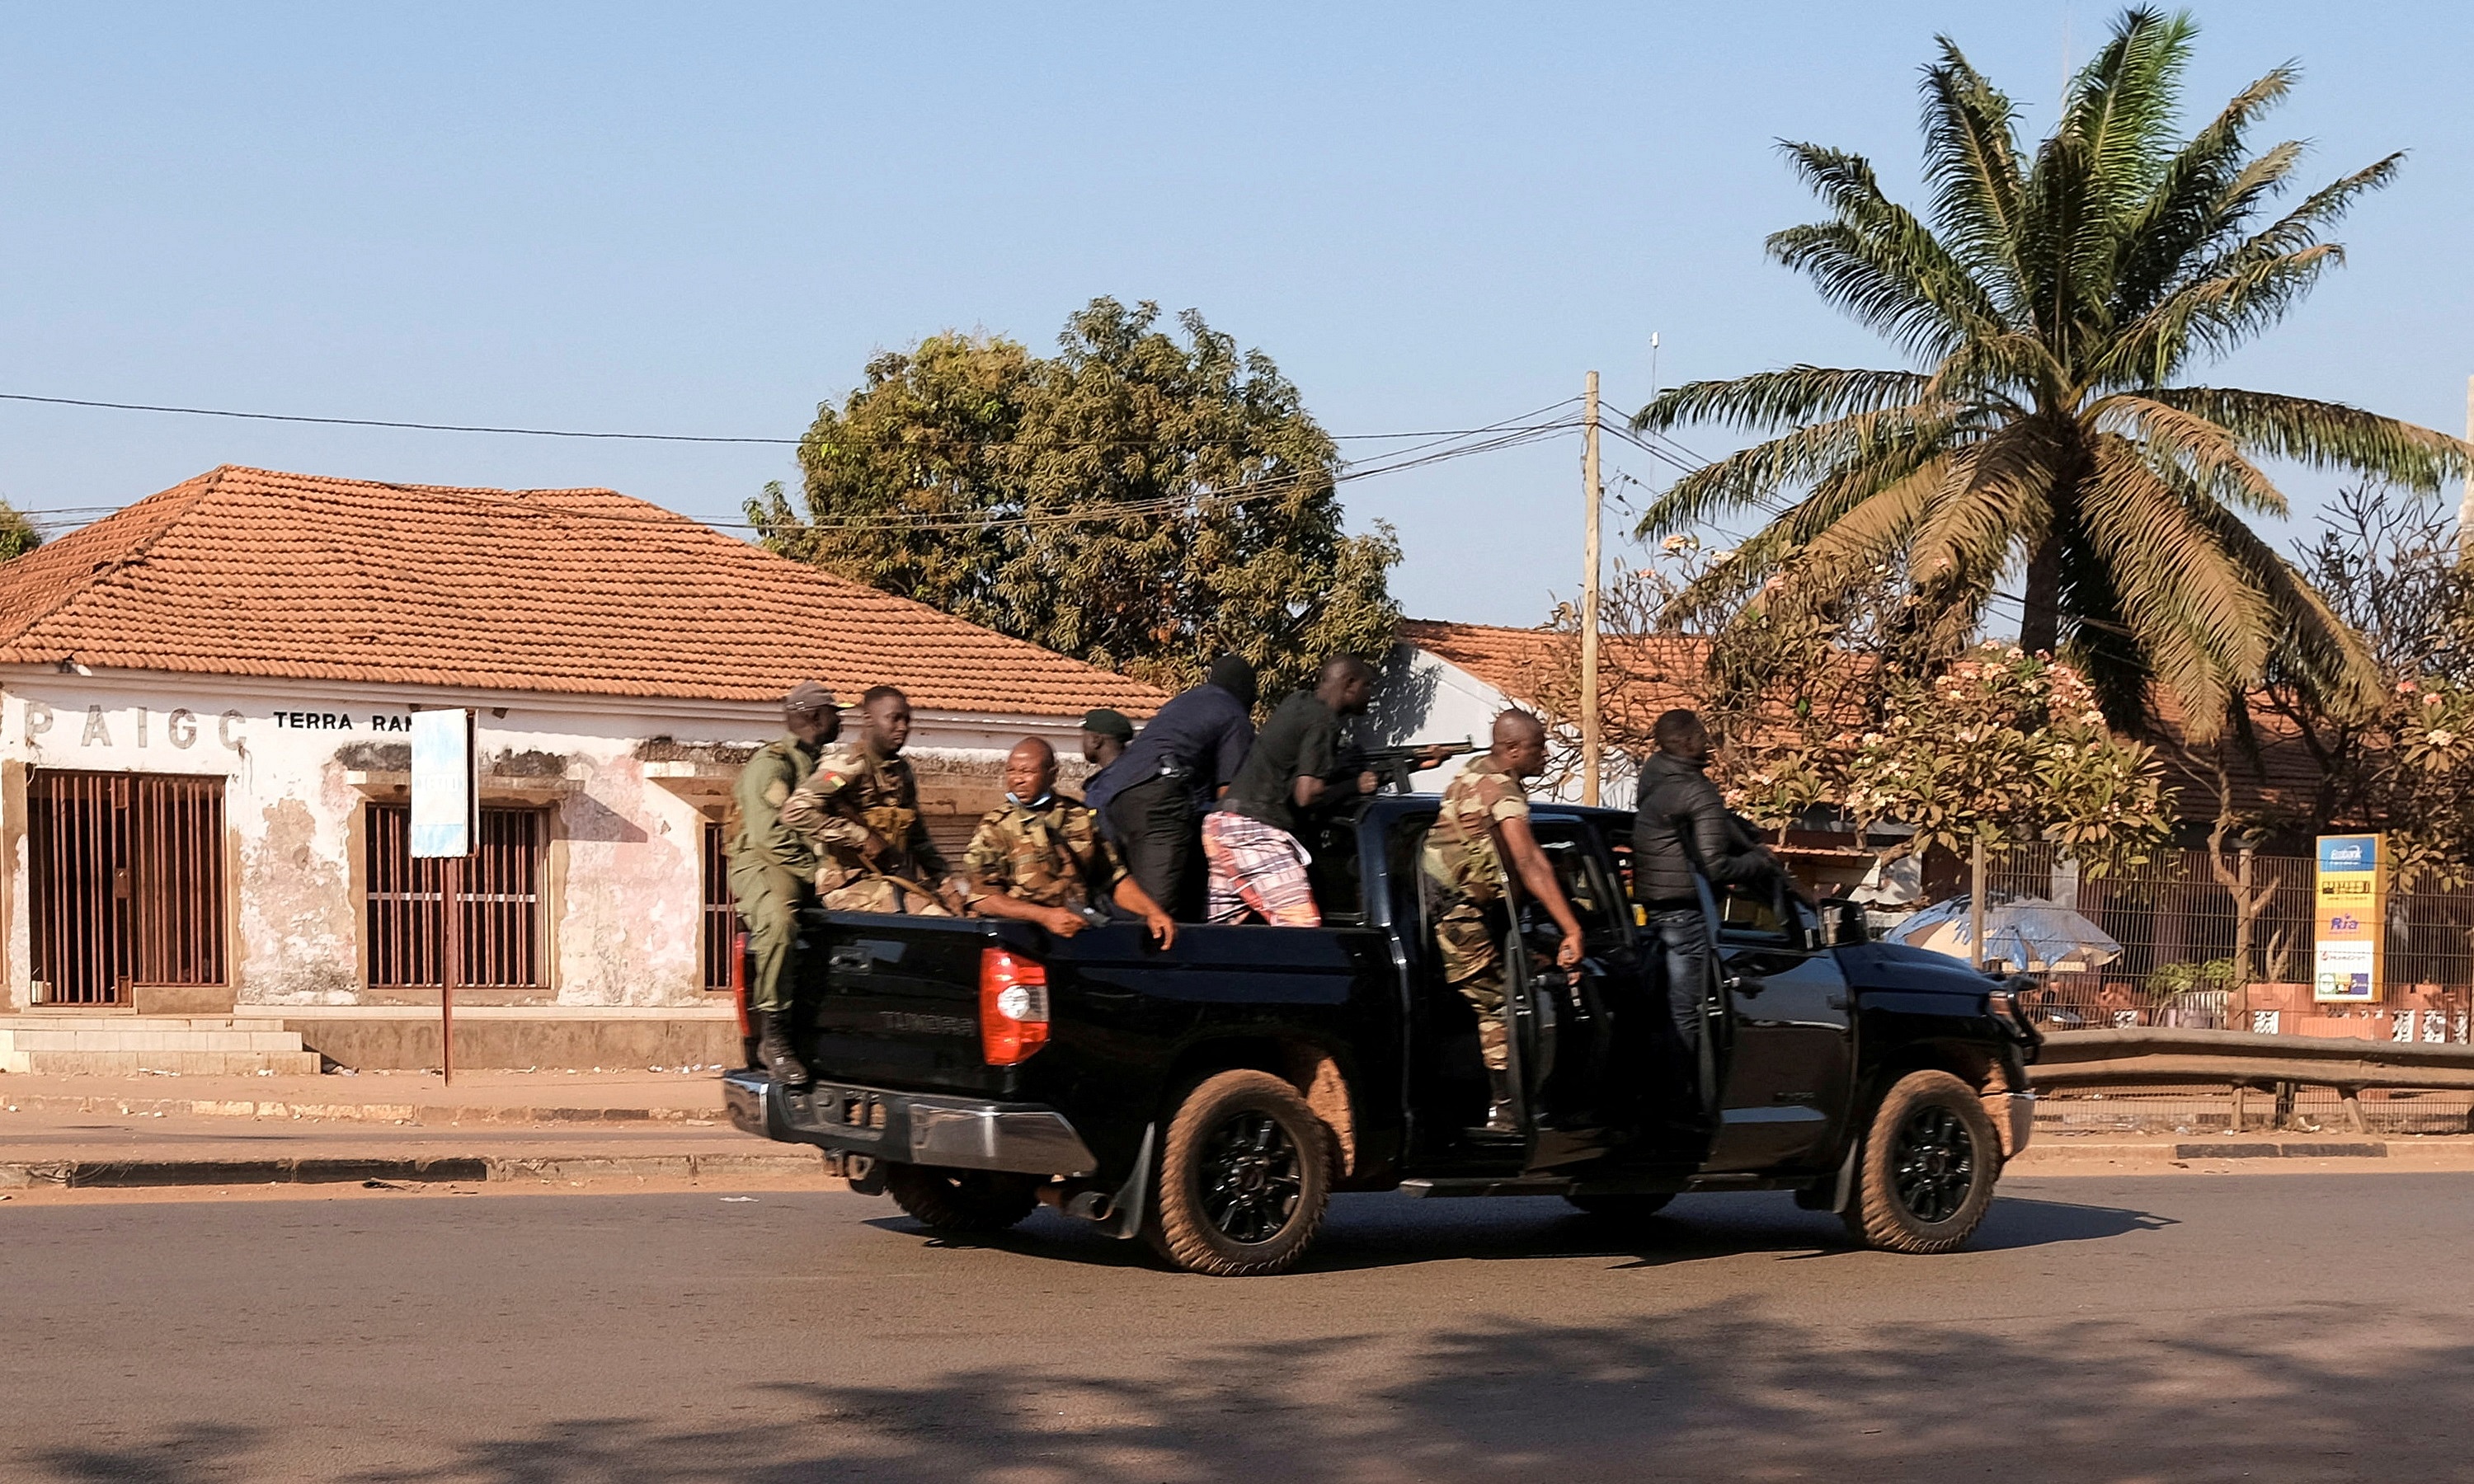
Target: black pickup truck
column 1210, row 1098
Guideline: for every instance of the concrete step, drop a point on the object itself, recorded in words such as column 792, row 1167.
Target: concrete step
column 45, row 1039
column 128, row 1046
column 132, row 1064
column 54, row 1021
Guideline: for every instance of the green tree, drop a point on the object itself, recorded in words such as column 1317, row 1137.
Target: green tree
column 1142, row 500
column 2051, row 308
column 17, row 534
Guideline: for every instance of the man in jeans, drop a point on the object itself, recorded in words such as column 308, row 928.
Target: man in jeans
column 1683, row 826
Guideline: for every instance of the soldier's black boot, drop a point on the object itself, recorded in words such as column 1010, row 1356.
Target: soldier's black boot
column 773, row 1049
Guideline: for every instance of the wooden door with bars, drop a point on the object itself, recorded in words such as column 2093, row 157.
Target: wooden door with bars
column 501, row 901
column 127, row 883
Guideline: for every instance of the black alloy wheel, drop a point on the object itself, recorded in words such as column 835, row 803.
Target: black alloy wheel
column 1926, row 1169
column 1933, row 1165
column 1250, row 1177
column 1244, row 1176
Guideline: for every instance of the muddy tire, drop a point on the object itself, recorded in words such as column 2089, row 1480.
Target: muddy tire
column 1623, row 1210
column 1926, row 1178
column 1244, row 1178
column 961, row 1202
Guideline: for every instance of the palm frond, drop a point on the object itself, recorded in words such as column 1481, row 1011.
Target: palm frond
column 2204, row 191
column 1755, row 476
column 1796, row 394
column 1976, row 172
column 2326, row 435
column 2209, row 454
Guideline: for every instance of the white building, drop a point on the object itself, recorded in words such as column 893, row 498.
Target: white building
column 1447, row 683
column 204, row 720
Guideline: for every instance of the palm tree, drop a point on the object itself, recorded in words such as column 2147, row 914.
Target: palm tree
column 2053, row 304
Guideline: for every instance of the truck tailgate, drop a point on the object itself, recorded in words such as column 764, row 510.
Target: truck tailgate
column 900, row 1002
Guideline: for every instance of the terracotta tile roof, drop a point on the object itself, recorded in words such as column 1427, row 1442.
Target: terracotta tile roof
column 1641, row 676
column 249, row 572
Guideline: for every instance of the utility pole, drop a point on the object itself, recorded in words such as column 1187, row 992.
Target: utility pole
column 1592, row 740
column 2465, row 507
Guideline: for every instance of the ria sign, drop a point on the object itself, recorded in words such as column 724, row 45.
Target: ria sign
column 2350, row 918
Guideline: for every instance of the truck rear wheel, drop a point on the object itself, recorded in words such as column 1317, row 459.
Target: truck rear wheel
column 1244, row 1177
column 960, row 1201
column 1931, row 1157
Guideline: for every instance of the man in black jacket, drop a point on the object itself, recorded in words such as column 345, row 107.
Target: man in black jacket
column 1681, row 826
column 1153, row 797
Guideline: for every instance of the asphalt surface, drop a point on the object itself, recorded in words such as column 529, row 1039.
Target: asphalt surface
column 2188, row 1327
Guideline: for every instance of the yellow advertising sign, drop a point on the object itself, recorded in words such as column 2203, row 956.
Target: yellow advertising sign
column 2350, row 918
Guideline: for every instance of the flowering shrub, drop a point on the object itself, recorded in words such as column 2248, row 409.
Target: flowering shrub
column 1999, row 745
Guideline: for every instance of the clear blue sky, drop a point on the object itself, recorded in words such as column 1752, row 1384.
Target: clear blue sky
column 705, row 219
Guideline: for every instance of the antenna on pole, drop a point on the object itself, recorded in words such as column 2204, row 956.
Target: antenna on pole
column 2466, row 507
column 1592, row 744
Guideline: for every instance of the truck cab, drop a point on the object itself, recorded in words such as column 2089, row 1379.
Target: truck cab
column 1210, row 1097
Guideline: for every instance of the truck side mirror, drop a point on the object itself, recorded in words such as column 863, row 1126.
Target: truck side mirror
column 1843, row 924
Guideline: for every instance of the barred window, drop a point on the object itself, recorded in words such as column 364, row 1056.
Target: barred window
column 721, row 911
column 500, row 903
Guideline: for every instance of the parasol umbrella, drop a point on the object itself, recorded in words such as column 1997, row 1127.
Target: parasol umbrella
column 2025, row 932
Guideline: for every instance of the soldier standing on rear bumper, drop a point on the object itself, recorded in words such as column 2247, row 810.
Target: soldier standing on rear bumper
column 860, row 807
column 773, row 868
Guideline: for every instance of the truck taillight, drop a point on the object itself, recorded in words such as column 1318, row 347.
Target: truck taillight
column 1013, row 1007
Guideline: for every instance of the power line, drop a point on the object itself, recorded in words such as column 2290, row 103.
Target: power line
column 1506, row 433
column 653, row 438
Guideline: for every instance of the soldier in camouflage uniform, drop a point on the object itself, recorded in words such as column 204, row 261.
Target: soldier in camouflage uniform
column 860, row 808
column 1040, row 859
column 1483, row 818
column 773, row 866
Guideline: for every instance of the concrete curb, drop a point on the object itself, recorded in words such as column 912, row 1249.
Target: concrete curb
column 2045, row 1156
column 426, row 1114
column 416, row 1169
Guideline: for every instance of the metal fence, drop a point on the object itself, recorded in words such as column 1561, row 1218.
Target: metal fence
column 127, row 883
column 2178, row 923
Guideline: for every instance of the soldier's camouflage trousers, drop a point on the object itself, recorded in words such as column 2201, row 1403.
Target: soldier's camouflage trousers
column 883, row 893
column 769, row 898
column 1468, row 939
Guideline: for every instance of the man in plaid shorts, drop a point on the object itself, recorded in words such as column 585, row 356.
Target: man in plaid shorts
column 1258, row 862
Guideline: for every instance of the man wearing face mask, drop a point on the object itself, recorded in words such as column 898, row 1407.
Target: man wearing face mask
column 773, row 867
column 1040, row 859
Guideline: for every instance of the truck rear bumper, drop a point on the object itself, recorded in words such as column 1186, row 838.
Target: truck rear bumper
column 911, row 1128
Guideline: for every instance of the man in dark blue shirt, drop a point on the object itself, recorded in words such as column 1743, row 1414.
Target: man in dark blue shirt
column 1153, row 797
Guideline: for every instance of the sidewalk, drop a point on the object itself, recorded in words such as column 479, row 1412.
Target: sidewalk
column 2112, row 1153
column 636, row 1097
column 387, row 1126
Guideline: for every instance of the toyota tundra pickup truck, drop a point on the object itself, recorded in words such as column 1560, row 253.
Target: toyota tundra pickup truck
column 1211, row 1097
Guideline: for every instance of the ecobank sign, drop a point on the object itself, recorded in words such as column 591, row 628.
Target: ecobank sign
column 2350, row 921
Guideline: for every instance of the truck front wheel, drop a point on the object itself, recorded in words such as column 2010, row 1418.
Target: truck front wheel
column 1931, row 1157
column 1244, row 1177
column 960, row 1201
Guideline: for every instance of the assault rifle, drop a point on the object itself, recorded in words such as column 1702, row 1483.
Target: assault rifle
column 1394, row 765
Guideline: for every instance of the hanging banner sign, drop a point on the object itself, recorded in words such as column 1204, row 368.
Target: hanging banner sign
column 446, row 807
column 2350, row 921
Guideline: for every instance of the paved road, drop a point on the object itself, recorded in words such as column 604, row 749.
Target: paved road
column 2190, row 1328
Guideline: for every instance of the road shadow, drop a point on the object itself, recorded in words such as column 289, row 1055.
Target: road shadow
column 1369, row 1230
column 1742, row 1388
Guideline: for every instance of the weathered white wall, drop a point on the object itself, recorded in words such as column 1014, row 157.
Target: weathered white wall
column 625, row 908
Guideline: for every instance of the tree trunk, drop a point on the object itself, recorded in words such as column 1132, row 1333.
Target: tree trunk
column 2040, row 624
